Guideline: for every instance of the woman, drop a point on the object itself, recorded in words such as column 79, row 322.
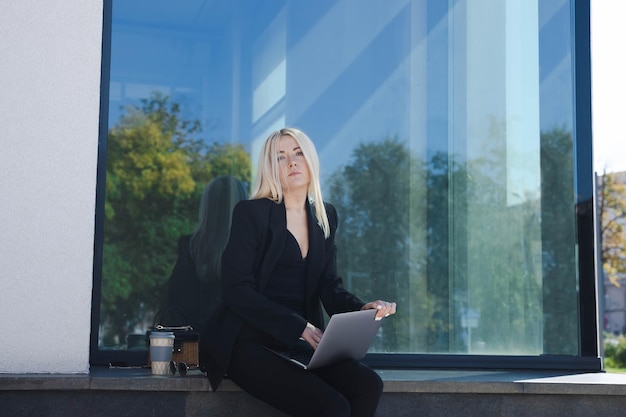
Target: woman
column 278, row 265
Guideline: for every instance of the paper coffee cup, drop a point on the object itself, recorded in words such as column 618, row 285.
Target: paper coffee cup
column 161, row 347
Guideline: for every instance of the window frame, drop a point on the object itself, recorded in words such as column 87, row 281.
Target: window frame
column 588, row 358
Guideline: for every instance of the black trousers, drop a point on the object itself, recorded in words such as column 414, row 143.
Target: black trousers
column 346, row 389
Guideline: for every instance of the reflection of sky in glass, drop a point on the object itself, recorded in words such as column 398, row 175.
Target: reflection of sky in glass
column 349, row 72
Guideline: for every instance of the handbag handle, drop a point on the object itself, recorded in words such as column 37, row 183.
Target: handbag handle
column 158, row 317
column 160, row 327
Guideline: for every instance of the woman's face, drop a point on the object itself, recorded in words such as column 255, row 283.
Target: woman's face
column 294, row 171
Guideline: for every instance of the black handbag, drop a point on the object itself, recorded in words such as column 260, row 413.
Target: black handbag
column 173, row 319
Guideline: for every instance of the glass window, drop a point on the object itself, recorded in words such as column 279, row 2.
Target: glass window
column 444, row 130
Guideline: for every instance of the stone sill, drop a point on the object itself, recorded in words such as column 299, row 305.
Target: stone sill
column 396, row 381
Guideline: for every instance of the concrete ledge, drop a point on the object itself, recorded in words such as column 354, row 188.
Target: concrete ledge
column 398, row 381
column 131, row 392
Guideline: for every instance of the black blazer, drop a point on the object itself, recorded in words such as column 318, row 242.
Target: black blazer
column 257, row 239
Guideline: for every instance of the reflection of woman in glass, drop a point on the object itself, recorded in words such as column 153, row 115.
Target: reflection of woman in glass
column 194, row 283
column 278, row 265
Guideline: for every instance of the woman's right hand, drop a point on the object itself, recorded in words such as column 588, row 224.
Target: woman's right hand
column 312, row 335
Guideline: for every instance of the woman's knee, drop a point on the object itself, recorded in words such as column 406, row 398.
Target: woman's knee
column 372, row 383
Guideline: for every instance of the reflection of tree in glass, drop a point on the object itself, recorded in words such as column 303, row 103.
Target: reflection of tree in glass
column 442, row 239
column 373, row 197
column 521, row 260
column 156, row 171
column 497, row 261
column 558, row 228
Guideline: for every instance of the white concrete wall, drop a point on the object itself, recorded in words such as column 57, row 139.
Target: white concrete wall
column 50, row 54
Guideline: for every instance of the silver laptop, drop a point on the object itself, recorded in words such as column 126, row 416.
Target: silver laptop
column 347, row 336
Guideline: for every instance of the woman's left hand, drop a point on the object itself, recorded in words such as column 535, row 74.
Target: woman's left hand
column 385, row 308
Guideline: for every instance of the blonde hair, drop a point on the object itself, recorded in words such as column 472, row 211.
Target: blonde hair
column 268, row 185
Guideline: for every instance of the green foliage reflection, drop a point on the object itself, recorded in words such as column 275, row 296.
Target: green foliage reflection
column 156, row 171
